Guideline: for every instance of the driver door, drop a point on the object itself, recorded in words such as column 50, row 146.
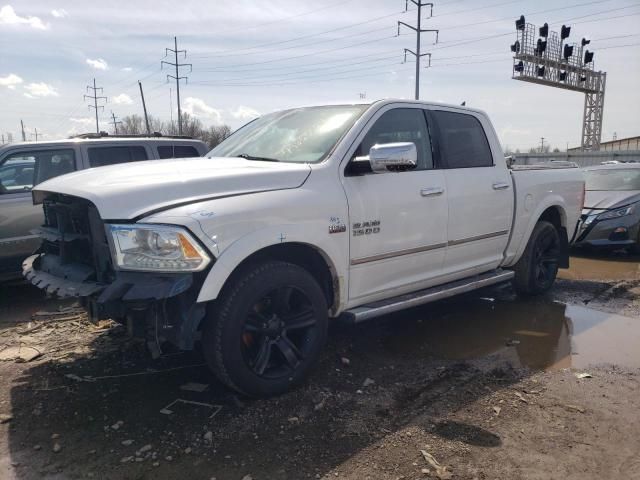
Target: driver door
column 398, row 219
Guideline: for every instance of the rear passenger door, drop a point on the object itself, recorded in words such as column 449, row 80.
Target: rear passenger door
column 479, row 193
column 100, row 156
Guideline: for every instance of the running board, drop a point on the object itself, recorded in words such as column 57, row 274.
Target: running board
column 383, row 307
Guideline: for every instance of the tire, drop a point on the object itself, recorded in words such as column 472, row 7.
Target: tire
column 536, row 270
column 267, row 329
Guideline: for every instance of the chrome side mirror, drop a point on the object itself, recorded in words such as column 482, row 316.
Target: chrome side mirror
column 400, row 154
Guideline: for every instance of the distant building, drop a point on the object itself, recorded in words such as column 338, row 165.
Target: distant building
column 631, row 143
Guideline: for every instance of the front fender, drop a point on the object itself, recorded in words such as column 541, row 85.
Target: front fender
column 231, row 257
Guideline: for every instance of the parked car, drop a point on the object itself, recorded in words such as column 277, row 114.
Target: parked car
column 305, row 214
column 611, row 216
column 23, row 165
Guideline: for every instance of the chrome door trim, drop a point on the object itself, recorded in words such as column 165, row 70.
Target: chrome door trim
column 426, row 248
column 477, row 237
column 397, row 253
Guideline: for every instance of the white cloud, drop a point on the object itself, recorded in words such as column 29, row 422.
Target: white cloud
column 82, row 121
column 8, row 16
column 198, row 108
column 122, row 99
column 10, row 81
column 40, row 90
column 98, row 63
column 59, row 13
column 244, row 113
column 127, row 69
column 81, row 125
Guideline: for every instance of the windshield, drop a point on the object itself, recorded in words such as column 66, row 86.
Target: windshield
column 613, row 180
column 303, row 135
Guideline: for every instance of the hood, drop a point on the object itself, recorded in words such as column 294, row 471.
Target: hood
column 129, row 190
column 596, row 201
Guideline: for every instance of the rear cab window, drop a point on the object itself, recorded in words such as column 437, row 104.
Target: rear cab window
column 177, row 151
column 20, row 171
column 102, row 156
column 462, row 140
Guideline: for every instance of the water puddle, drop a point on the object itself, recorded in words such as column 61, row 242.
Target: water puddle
column 603, row 266
column 538, row 334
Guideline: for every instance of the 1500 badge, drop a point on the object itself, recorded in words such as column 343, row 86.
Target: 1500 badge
column 366, row 228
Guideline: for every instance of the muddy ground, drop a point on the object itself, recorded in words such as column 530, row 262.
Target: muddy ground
column 487, row 386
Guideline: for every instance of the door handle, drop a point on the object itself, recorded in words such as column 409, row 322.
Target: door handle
column 501, row 186
column 431, row 192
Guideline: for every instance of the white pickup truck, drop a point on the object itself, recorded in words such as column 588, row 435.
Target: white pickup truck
column 301, row 216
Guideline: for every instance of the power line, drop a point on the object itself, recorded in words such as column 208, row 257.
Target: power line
column 177, row 76
column 95, row 98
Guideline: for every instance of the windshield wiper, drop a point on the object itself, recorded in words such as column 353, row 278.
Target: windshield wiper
column 262, row 159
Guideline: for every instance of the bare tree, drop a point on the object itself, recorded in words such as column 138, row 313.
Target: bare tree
column 191, row 126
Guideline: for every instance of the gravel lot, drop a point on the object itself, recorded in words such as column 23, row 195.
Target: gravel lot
column 480, row 387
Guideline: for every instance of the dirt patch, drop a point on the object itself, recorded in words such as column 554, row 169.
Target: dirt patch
column 460, row 381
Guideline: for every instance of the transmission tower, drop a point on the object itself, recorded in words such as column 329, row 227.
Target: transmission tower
column 95, row 99
column 419, row 30
column 177, row 76
column 542, row 56
column 115, row 123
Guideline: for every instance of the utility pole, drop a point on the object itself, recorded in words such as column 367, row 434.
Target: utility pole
column 541, row 144
column 24, row 138
column 95, row 99
column 419, row 30
column 171, row 105
column 35, row 134
column 177, row 76
column 144, row 107
column 115, row 122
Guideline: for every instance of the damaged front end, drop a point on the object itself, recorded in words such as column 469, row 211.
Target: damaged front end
column 78, row 258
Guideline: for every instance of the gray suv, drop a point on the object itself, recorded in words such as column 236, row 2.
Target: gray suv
column 23, row 165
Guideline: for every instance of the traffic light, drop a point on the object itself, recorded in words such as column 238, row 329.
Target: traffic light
column 564, row 32
column 520, row 23
column 588, row 57
column 585, row 42
column 515, row 47
column 544, row 30
column 568, row 51
column 519, row 67
column 540, row 71
column 541, row 46
column 563, row 76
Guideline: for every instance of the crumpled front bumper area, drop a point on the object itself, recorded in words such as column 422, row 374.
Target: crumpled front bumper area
column 156, row 306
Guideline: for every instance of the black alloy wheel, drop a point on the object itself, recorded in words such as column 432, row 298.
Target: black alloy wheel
column 279, row 332
column 267, row 328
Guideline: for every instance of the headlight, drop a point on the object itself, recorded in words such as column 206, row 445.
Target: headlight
column 156, row 248
column 617, row 213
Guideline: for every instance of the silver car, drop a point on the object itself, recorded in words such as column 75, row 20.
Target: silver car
column 23, row 165
column 611, row 216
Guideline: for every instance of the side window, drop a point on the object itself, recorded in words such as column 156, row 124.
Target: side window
column 463, row 143
column 177, row 151
column 102, row 156
column 401, row 125
column 19, row 172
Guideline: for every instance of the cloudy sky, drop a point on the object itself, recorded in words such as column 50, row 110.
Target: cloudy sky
column 253, row 57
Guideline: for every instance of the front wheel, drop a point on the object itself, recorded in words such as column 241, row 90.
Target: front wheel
column 267, row 329
column 536, row 270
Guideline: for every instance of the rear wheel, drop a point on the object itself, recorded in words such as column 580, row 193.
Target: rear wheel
column 536, row 270
column 267, row 330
